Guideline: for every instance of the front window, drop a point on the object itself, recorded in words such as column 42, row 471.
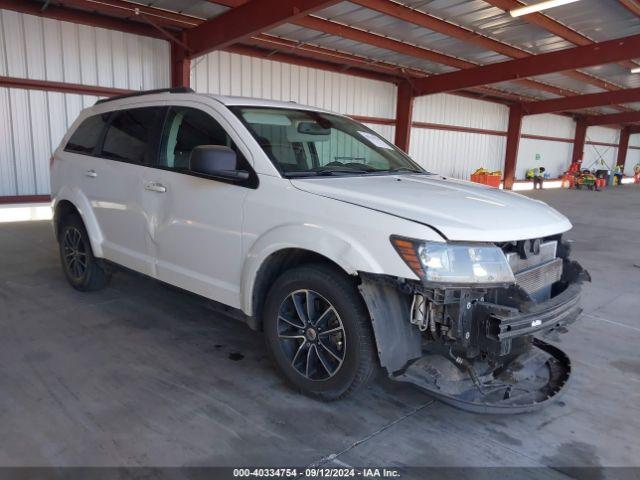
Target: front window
column 306, row 143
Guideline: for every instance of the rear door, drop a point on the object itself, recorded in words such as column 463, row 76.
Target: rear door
column 75, row 168
column 195, row 223
column 114, row 184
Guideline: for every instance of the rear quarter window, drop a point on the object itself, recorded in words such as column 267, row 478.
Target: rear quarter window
column 87, row 135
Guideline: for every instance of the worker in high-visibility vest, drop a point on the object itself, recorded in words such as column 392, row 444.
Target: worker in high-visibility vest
column 617, row 175
column 636, row 172
column 536, row 174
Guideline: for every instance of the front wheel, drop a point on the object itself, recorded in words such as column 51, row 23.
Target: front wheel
column 318, row 332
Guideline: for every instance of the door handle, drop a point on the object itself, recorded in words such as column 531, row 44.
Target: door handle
column 90, row 173
column 155, row 187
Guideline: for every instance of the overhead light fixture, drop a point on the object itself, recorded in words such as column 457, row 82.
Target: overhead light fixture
column 635, row 70
column 536, row 7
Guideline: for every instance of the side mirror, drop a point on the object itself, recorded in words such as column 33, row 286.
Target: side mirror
column 216, row 161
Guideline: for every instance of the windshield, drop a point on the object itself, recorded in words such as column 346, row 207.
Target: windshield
column 306, row 143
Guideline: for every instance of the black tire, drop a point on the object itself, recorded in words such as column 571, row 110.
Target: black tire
column 359, row 358
column 83, row 271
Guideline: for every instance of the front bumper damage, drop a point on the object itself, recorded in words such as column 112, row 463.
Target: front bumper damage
column 478, row 349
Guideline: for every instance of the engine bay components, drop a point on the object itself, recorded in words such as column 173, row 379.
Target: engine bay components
column 476, row 347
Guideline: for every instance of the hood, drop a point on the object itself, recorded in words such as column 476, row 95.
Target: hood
column 458, row 210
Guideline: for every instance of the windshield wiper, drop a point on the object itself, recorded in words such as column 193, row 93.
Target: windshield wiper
column 403, row 169
column 324, row 173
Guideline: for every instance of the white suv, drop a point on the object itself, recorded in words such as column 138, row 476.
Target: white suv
column 319, row 232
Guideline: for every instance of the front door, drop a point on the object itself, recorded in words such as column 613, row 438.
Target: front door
column 195, row 223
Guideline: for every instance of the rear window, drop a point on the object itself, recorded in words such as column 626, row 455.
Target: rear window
column 87, row 135
column 129, row 134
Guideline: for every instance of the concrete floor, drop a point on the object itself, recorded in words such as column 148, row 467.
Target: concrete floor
column 142, row 374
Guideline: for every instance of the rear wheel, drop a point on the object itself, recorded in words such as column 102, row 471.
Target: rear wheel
column 83, row 271
column 318, row 332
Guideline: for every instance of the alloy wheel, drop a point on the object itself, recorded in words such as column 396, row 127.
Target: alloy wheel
column 75, row 253
column 311, row 335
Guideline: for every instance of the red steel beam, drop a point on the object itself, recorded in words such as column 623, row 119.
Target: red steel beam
column 550, row 25
column 345, row 31
column 347, row 59
column 419, row 18
column 404, row 116
column 578, row 141
column 63, row 87
column 582, row 101
column 81, row 17
column 249, row 19
column 597, row 54
column 368, row 38
column 426, row 20
column 612, row 119
column 513, row 142
column 623, row 146
column 632, row 5
column 180, row 64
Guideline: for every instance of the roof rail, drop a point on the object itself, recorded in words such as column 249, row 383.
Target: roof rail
column 146, row 92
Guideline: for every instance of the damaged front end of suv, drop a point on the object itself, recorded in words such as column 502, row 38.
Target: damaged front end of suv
column 468, row 331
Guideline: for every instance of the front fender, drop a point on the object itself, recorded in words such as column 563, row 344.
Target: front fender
column 345, row 251
column 75, row 196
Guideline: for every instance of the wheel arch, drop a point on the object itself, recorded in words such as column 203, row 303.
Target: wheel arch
column 275, row 265
column 270, row 256
column 69, row 202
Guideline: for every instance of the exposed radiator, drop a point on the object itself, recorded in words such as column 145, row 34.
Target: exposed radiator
column 536, row 278
column 547, row 253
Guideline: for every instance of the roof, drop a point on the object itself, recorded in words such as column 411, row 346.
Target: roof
column 412, row 39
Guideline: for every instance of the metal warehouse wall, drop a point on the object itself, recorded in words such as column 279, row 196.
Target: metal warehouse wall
column 633, row 154
column 32, row 122
column 463, row 134
column 231, row 74
column 601, row 156
column 458, row 153
column 554, row 155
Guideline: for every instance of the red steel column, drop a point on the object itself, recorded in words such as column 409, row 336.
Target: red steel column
column 513, row 142
column 180, row 65
column 404, row 115
column 623, row 146
column 578, row 141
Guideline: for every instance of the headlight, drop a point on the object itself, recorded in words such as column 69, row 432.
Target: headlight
column 455, row 263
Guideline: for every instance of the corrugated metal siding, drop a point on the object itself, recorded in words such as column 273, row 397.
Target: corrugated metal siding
column 46, row 49
column 633, row 158
column 555, row 156
column 231, row 74
column 33, row 122
column 31, row 126
column 601, row 156
column 460, row 111
column 549, row 125
column 459, row 153
column 456, row 154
